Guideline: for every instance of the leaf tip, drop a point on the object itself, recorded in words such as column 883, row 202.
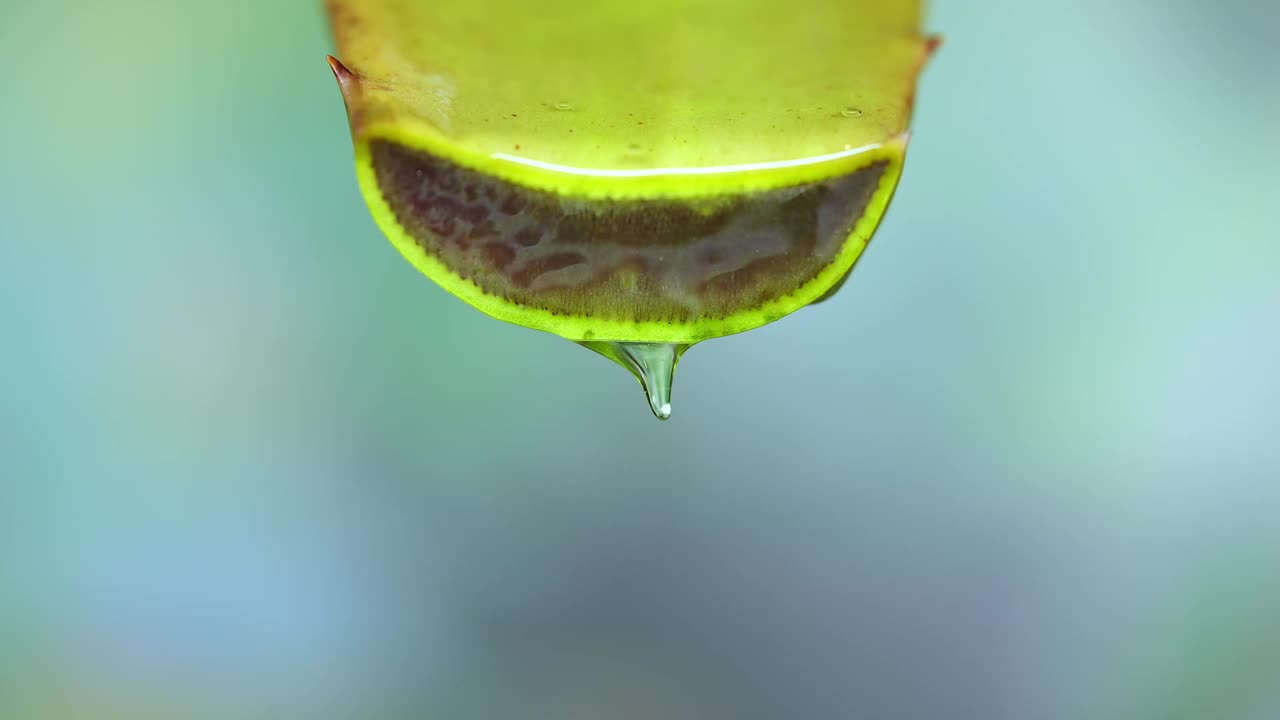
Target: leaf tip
column 931, row 45
column 346, row 78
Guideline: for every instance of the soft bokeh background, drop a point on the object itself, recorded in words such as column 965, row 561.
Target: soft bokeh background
column 1025, row 465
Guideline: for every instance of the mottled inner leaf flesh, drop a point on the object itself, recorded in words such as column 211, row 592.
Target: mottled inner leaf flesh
column 626, row 259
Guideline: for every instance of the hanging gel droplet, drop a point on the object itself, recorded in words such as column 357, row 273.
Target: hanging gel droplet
column 653, row 364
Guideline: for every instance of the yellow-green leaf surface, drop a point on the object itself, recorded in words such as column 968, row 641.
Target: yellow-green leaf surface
column 661, row 171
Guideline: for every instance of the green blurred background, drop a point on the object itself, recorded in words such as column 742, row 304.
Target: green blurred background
column 1025, row 465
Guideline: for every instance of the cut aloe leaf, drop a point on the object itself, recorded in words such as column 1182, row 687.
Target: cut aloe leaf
column 624, row 172
column 656, row 172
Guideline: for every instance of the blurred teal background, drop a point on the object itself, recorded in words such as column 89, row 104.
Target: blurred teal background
column 1025, row 465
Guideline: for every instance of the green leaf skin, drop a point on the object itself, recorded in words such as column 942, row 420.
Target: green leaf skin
column 662, row 172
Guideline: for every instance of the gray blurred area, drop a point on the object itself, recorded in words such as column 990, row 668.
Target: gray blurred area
column 1024, row 465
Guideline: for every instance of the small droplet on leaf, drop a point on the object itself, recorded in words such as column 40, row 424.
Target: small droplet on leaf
column 653, row 364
